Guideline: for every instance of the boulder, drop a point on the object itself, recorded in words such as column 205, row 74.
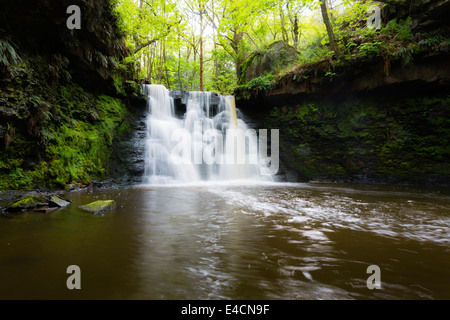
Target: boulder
column 35, row 204
column 180, row 99
column 267, row 61
column 26, row 203
column 99, row 207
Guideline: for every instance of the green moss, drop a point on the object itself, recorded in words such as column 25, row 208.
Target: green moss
column 73, row 141
column 27, row 202
column 99, row 207
column 403, row 140
column 256, row 85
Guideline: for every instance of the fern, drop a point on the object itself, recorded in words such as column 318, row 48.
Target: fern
column 8, row 55
column 436, row 40
column 405, row 54
column 400, row 29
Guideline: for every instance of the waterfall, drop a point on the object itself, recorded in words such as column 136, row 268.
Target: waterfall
column 209, row 143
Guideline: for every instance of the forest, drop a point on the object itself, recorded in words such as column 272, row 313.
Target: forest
column 204, row 45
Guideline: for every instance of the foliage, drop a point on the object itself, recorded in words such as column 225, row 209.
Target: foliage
column 203, row 44
column 8, row 56
column 256, row 85
column 74, row 140
column 437, row 40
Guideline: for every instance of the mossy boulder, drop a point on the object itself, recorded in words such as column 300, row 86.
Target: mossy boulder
column 33, row 203
column 25, row 203
column 99, row 207
column 275, row 56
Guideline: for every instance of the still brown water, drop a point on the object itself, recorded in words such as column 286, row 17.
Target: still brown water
column 231, row 241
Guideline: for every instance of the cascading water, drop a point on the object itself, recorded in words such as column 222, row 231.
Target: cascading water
column 210, row 143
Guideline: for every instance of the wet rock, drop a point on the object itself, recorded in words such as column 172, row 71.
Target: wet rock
column 72, row 186
column 56, row 201
column 26, row 203
column 99, row 207
column 46, row 209
column 128, row 153
column 34, row 203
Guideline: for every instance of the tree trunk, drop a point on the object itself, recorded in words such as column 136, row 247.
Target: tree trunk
column 237, row 38
column 201, row 45
column 295, row 32
column 180, row 84
column 327, row 22
column 201, row 63
column 165, row 67
column 160, row 73
column 283, row 29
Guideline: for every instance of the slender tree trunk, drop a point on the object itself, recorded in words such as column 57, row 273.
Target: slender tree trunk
column 160, row 64
column 180, row 84
column 165, row 67
column 327, row 22
column 201, row 63
column 216, row 63
column 283, row 29
column 186, row 77
column 216, row 67
column 295, row 32
column 237, row 37
column 201, row 47
column 149, row 64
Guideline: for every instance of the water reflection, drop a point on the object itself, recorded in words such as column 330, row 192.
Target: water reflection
column 233, row 241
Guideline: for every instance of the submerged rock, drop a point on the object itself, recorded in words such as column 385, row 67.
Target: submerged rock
column 46, row 209
column 99, row 207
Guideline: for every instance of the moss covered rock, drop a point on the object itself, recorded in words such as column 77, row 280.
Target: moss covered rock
column 397, row 141
column 274, row 56
column 26, row 203
column 99, row 207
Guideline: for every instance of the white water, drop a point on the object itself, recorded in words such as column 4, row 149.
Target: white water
column 190, row 139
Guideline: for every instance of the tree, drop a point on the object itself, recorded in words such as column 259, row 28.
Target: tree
column 294, row 9
column 327, row 22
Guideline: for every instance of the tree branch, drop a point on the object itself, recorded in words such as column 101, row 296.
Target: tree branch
column 141, row 46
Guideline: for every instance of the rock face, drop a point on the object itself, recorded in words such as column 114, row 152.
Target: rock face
column 425, row 72
column 128, row 151
column 426, row 14
column 99, row 207
column 267, row 61
column 91, row 51
column 55, row 81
